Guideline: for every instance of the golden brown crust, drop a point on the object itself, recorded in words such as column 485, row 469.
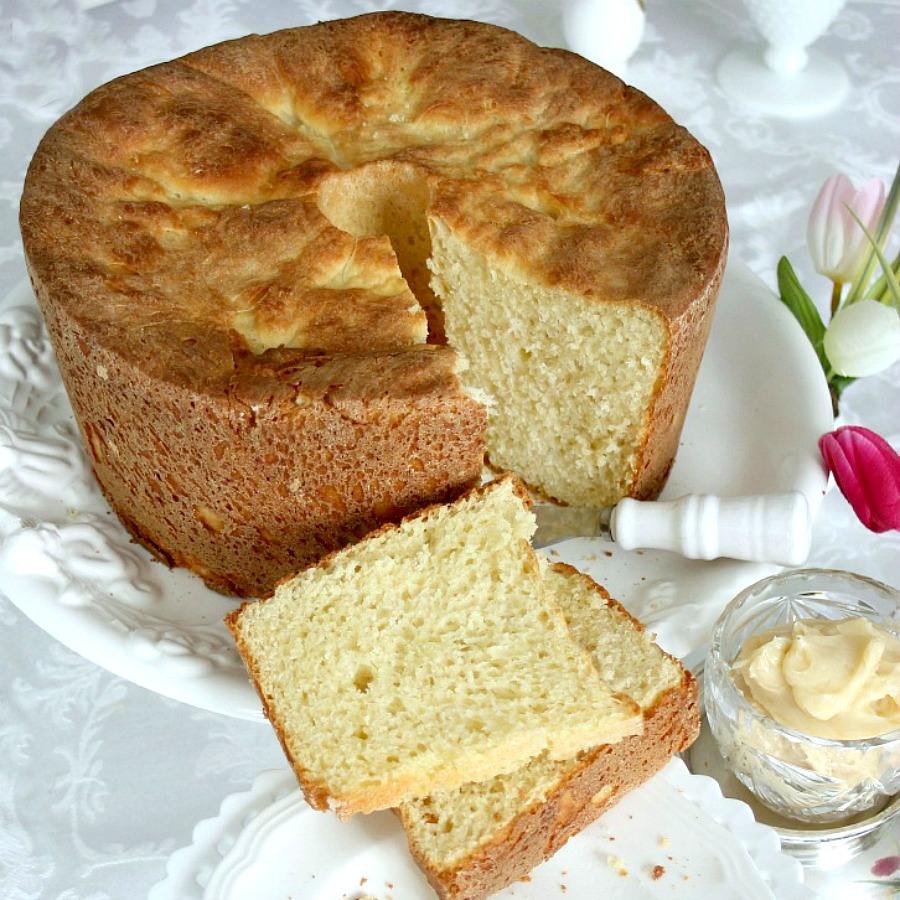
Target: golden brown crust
column 595, row 781
column 558, row 169
column 178, row 242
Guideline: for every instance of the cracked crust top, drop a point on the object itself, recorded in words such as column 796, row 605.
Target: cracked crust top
column 176, row 211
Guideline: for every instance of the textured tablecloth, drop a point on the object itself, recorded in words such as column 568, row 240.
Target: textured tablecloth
column 101, row 780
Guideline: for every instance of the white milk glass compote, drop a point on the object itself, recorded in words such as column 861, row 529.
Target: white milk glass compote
column 607, row 32
column 782, row 76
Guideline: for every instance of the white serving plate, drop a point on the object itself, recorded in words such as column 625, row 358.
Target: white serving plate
column 758, row 409
column 268, row 843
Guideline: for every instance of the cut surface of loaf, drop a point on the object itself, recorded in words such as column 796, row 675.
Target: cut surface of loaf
column 475, row 840
column 259, row 265
column 592, row 369
column 427, row 654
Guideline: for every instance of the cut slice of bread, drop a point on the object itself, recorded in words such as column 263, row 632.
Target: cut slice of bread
column 473, row 841
column 425, row 656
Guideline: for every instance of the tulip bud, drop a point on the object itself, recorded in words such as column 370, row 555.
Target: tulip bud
column 863, row 339
column 837, row 245
column 867, row 471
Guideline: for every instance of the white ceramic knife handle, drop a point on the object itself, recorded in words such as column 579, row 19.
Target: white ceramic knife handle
column 775, row 528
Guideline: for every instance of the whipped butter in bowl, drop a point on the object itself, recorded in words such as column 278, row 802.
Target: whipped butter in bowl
column 802, row 692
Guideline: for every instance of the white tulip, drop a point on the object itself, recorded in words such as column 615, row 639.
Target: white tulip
column 863, row 339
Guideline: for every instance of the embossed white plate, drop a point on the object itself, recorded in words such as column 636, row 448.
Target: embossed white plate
column 675, row 836
column 758, row 409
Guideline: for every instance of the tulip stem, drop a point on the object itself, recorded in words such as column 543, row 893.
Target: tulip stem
column 836, row 288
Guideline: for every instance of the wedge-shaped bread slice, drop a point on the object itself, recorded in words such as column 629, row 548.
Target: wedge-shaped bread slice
column 474, row 841
column 425, row 656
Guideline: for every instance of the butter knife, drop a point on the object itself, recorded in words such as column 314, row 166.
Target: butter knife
column 773, row 528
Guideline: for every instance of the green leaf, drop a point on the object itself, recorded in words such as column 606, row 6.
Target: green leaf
column 858, row 288
column 888, row 272
column 838, row 383
column 801, row 305
column 879, row 288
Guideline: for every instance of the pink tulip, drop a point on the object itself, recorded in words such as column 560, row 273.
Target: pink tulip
column 867, row 470
column 886, row 866
column 837, row 245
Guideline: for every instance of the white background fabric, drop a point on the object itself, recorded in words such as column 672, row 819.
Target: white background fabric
column 101, row 780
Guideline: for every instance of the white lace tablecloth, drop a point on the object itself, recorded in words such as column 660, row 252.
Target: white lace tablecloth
column 101, row 780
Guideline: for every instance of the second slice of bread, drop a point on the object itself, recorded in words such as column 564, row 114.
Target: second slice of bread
column 474, row 841
column 426, row 656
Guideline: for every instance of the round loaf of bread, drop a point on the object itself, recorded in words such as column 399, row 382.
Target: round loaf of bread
column 297, row 282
